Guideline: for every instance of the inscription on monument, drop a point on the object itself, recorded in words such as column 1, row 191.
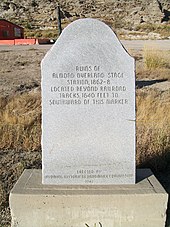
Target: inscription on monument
column 88, row 114
column 88, row 85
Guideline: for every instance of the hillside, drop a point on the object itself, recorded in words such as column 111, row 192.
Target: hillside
column 127, row 14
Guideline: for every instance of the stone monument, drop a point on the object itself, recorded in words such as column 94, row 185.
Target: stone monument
column 88, row 108
column 88, row 141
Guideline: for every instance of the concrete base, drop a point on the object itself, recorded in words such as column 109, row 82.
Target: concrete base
column 35, row 205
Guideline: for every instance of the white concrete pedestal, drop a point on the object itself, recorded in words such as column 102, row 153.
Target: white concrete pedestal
column 35, row 205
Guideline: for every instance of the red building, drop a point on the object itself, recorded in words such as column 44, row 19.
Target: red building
column 9, row 31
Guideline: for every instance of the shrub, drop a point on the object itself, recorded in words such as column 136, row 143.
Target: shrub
column 154, row 58
column 153, row 129
column 20, row 119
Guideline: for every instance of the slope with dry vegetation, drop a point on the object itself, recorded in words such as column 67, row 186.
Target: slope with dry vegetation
column 133, row 18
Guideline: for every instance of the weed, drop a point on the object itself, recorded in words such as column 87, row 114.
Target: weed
column 162, row 29
column 155, row 58
column 20, row 122
column 20, row 125
column 51, row 33
column 153, row 130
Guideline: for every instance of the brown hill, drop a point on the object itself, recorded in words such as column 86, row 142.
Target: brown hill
column 127, row 14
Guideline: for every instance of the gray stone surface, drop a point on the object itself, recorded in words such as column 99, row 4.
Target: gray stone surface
column 37, row 205
column 88, row 108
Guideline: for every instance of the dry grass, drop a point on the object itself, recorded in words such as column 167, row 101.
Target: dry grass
column 154, row 58
column 162, row 29
column 20, row 121
column 20, row 126
column 50, row 33
column 157, row 74
column 153, row 129
column 152, row 63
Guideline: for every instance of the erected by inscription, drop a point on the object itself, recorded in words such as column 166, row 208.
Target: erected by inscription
column 88, row 108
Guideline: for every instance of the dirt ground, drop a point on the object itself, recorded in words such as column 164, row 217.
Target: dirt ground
column 20, row 72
